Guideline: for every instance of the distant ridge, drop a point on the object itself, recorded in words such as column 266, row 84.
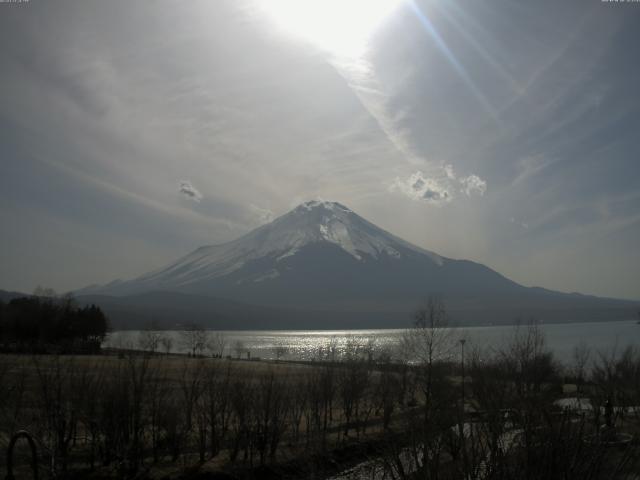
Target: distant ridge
column 171, row 310
column 6, row 296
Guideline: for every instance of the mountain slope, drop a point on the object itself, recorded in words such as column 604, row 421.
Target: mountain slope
column 323, row 257
column 315, row 246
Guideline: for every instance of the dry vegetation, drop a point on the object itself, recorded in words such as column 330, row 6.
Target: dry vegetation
column 163, row 416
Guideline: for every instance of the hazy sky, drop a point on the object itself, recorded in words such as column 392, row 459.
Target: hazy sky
column 505, row 132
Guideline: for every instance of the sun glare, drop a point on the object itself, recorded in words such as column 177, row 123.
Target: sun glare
column 341, row 27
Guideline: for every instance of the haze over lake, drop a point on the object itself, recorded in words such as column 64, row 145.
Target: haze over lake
column 561, row 338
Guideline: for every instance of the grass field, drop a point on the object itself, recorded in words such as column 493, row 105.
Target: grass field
column 135, row 415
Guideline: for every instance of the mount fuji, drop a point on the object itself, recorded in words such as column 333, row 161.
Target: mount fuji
column 323, row 262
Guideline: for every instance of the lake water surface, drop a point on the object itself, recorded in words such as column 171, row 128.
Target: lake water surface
column 305, row 344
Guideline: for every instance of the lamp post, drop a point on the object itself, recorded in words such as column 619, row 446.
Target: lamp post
column 462, row 434
column 462, row 342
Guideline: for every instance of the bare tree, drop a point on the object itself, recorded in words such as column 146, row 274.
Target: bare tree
column 429, row 344
column 241, row 396
column 530, row 360
column 217, row 394
column 159, row 391
column 216, row 344
column 167, row 343
column 431, row 337
column 239, row 348
column 149, row 340
column 581, row 355
column 353, row 381
column 270, row 407
column 60, row 390
column 616, row 376
column 194, row 338
column 12, row 392
column 386, row 390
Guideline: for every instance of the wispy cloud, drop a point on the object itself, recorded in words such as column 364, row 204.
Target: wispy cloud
column 262, row 215
column 361, row 77
column 520, row 224
column 188, row 190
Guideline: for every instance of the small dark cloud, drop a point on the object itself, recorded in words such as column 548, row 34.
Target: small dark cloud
column 420, row 187
column 188, row 190
column 418, row 184
column 433, row 195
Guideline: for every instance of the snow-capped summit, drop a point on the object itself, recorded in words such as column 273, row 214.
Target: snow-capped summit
column 311, row 223
column 317, row 252
column 322, row 221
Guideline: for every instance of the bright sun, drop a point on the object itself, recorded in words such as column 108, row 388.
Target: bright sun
column 341, row 27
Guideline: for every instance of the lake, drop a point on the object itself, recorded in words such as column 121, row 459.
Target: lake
column 305, row 344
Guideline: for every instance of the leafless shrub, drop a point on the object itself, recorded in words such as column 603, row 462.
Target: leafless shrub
column 194, row 339
column 280, row 350
column 580, row 358
column 166, row 342
column 149, row 340
column 216, row 344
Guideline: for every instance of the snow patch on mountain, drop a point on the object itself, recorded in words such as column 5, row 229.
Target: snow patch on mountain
column 311, row 223
column 269, row 275
column 330, row 206
column 289, row 253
